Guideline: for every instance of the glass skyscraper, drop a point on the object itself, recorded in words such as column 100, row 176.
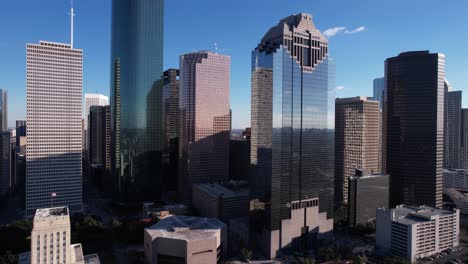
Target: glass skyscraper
column 136, row 98
column 415, row 127
column 292, row 141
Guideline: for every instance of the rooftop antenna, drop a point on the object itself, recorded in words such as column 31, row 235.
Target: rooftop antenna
column 72, row 14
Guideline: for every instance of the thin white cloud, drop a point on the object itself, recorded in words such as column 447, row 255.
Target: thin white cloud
column 333, row 31
column 340, row 87
column 357, row 30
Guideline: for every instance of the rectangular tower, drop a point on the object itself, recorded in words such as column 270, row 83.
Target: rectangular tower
column 452, row 128
column 292, row 142
column 356, row 141
column 3, row 110
column 464, row 138
column 5, row 161
column 415, row 127
column 54, row 142
column 205, row 119
column 91, row 100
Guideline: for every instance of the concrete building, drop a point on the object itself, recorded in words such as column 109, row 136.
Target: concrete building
column 51, row 240
column 186, row 240
column 452, row 128
column 171, row 124
column 367, row 192
column 459, row 197
column 291, row 138
column 415, row 127
column 356, row 141
column 3, row 110
column 205, row 120
column 416, row 232
column 224, row 201
column 5, row 162
column 455, row 179
column 54, row 143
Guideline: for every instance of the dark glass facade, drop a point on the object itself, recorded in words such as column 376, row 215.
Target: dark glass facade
column 292, row 141
column 452, row 128
column 415, row 127
column 136, row 98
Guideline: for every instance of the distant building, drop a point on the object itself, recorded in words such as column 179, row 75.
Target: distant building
column 455, row 179
column 54, row 119
column 464, row 139
column 205, row 120
column 459, row 197
column 356, row 141
column 20, row 131
column 3, row 110
column 99, row 148
column 379, row 95
column 154, row 209
column 5, row 161
column 186, row 240
column 452, row 128
column 367, row 192
column 91, row 100
column 51, row 240
column 224, row 201
column 416, row 232
column 415, row 127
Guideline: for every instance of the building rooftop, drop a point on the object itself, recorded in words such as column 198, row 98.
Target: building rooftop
column 48, row 212
column 187, row 228
column 409, row 215
column 355, row 99
column 226, row 190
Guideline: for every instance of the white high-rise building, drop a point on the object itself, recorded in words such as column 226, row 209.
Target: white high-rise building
column 54, row 117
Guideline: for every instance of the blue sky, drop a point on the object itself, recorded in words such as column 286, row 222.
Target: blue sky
column 388, row 27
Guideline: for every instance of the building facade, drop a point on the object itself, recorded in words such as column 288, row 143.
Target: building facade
column 136, row 98
column 379, row 95
column 54, row 118
column 186, row 240
column 415, row 127
column 204, row 120
column 171, row 128
column 456, row 179
column 356, row 141
column 91, row 100
column 5, row 161
column 3, row 110
column 224, row 201
column 464, row 139
column 416, row 232
column 20, row 131
column 99, row 136
column 367, row 192
column 291, row 141
column 452, row 128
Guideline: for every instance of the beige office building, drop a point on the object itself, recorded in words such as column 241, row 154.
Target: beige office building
column 356, row 141
column 186, row 240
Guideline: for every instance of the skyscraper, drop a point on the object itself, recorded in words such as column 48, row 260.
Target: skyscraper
column 54, row 89
column 356, row 141
column 3, row 110
column 292, row 144
column 379, row 95
column 136, row 97
column 90, row 100
column 464, row 139
column 99, row 136
column 415, row 127
column 20, row 130
column 171, row 128
column 379, row 90
column 5, row 161
column 452, row 128
column 204, row 119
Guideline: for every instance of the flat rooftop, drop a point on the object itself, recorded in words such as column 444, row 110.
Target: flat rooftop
column 49, row 212
column 187, row 228
column 417, row 214
column 226, row 190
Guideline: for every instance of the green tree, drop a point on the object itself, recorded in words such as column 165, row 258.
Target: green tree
column 341, row 216
column 15, row 237
column 245, row 255
column 360, row 259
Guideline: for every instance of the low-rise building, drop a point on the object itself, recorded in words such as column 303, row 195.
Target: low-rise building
column 416, row 232
column 224, row 201
column 366, row 193
column 186, row 240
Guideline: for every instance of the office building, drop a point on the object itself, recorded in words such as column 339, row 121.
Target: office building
column 292, row 141
column 136, row 98
column 224, row 201
column 186, row 240
column 452, row 128
column 239, row 159
column 459, row 197
column 20, row 131
column 379, row 91
column 205, row 120
column 455, row 179
column 54, row 126
column 367, row 192
column 379, row 95
column 416, row 232
column 356, row 141
column 5, row 160
column 464, row 139
column 51, row 240
column 91, row 100
column 3, row 110
column 100, row 146
column 171, row 128
column 415, row 127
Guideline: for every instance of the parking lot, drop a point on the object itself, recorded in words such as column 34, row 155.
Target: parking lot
column 450, row 256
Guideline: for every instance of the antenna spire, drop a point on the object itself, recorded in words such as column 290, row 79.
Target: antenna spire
column 72, row 14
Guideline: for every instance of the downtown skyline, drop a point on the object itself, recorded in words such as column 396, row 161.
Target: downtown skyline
column 354, row 76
